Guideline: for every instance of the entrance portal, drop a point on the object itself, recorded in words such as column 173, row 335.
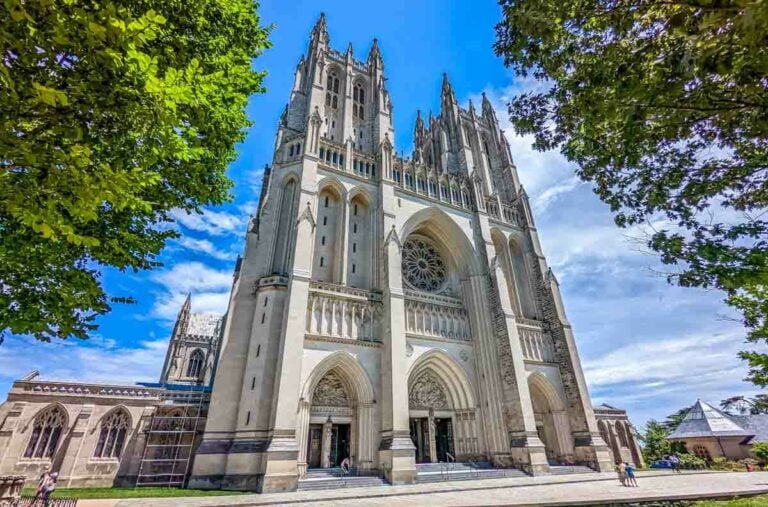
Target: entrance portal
column 433, row 442
column 328, row 445
column 339, row 444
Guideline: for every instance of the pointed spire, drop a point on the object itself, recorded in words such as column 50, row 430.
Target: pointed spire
column 447, row 91
column 319, row 36
column 419, row 122
column 349, row 49
column 488, row 111
column 471, row 108
column 320, row 25
column 374, row 54
column 187, row 303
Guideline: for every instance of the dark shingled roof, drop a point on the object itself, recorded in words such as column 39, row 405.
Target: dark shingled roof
column 704, row 420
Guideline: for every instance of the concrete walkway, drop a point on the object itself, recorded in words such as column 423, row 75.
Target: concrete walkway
column 576, row 489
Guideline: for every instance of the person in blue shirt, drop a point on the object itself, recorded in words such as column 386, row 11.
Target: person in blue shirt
column 629, row 469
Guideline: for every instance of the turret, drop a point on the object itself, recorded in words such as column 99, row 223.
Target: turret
column 318, row 39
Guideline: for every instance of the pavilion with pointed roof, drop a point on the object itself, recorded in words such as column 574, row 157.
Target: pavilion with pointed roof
column 709, row 432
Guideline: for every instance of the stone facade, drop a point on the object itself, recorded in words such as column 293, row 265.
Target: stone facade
column 390, row 310
column 96, row 435
column 386, row 311
column 619, row 434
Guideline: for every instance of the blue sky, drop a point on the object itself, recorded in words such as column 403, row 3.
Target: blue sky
column 646, row 346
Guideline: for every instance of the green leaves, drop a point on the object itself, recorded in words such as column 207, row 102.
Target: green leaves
column 664, row 107
column 112, row 114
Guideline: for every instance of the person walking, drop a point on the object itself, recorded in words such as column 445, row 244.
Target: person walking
column 40, row 486
column 629, row 469
column 675, row 463
column 621, row 472
column 49, row 487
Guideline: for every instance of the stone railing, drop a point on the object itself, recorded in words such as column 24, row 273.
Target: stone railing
column 338, row 311
column 452, row 189
column 536, row 343
column 333, row 155
column 77, row 389
column 436, row 320
column 502, row 211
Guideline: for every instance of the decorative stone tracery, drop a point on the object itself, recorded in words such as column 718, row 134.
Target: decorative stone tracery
column 427, row 392
column 423, row 268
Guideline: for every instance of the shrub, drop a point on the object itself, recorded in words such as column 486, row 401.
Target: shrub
column 691, row 462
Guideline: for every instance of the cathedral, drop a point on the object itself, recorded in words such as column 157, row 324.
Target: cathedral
column 386, row 313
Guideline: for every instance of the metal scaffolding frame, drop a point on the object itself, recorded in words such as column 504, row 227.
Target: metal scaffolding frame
column 171, row 436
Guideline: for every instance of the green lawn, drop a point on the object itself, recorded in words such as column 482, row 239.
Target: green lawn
column 84, row 493
column 754, row 501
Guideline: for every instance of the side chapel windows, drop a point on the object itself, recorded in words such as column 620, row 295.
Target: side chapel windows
column 358, row 102
column 332, row 90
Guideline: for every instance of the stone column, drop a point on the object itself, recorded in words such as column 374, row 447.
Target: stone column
column 365, row 433
column 302, row 430
column 432, row 436
column 73, row 443
column 326, row 444
column 281, row 470
column 527, row 449
column 396, row 451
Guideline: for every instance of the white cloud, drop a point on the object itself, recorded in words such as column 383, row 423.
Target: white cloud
column 209, row 288
column 215, row 223
column 94, row 360
column 205, row 246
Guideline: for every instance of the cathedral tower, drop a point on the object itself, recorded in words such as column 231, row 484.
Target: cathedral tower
column 390, row 310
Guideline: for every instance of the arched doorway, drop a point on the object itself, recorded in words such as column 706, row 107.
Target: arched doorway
column 441, row 407
column 336, row 415
column 551, row 420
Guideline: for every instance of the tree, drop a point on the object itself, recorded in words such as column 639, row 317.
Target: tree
column 742, row 405
column 113, row 114
column 674, row 420
column 663, row 106
column 655, row 443
column 760, row 450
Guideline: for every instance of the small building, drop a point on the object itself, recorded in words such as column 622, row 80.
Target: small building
column 711, row 433
column 619, row 434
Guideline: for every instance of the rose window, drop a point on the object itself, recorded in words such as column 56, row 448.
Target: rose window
column 422, row 266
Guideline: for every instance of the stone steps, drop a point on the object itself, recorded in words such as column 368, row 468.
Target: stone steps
column 438, row 472
column 569, row 469
column 328, row 482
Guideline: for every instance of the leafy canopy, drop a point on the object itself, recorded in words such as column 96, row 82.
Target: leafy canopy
column 112, row 114
column 664, row 108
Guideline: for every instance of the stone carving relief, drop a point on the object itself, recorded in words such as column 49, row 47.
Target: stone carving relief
column 330, row 392
column 427, row 392
column 408, row 349
column 464, row 355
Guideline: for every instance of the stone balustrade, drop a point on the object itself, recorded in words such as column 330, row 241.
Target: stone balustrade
column 333, row 156
column 338, row 311
column 502, row 212
column 536, row 343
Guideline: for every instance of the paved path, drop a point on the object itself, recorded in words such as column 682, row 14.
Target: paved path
column 577, row 489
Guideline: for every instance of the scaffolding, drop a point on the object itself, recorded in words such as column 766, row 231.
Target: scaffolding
column 172, row 435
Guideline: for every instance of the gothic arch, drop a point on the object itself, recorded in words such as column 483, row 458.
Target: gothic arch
column 361, row 193
column 551, row 417
column 522, row 276
column 453, row 377
column 118, row 408
column 448, row 234
column 333, row 183
column 354, row 376
column 539, row 381
column 361, row 399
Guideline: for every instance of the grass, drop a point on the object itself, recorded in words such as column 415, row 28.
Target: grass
column 87, row 493
column 754, row 501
